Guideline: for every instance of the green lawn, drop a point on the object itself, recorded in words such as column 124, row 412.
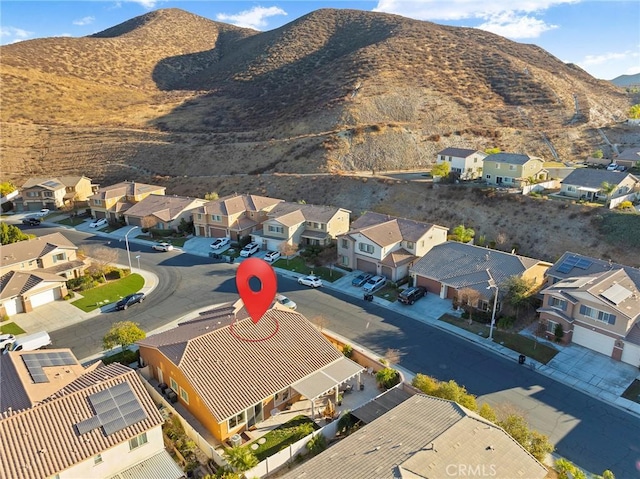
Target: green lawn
column 75, row 221
column 11, row 328
column 283, row 436
column 109, row 293
column 388, row 292
column 298, row 265
column 516, row 342
column 633, row 392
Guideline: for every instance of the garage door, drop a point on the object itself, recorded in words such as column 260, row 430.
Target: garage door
column 13, row 306
column 631, row 354
column 217, row 232
column 366, row 266
column 592, row 340
column 45, row 297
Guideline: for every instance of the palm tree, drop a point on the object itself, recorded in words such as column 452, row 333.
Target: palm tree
column 463, row 234
column 240, row 458
column 608, row 188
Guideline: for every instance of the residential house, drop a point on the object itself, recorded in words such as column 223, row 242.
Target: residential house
column 593, row 184
column 301, row 224
column 231, row 373
column 423, row 437
column 60, row 420
column 113, row 201
column 512, row 170
column 54, row 193
column 234, row 216
column 162, row 212
column 451, row 267
column 630, row 157
column 34, row 272
column 386, row 245
column 597, row 304
column 466, row 163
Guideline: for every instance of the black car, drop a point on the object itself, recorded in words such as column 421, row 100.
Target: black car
column 411, row 295
column 31, row 221
column 130, row 300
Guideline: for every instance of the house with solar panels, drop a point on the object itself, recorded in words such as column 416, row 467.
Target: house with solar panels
column 59, row 419
column 466, row 163
column 597, row 305
column 53, row 193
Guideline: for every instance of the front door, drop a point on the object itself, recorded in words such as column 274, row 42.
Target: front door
column 254, row 414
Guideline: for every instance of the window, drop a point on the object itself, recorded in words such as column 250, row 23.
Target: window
column 237, row 420
column 138, row 441
column 97, row 459
column 488, row 177
column 199, row 216
column 512, row 167
column 475, row 160
column 276, row 229
column 410, row 245
column 184, row 395
column 174, row 385
column 497, row 166
column 558, row 303
column 216, row 218
column 345, row 260
column 97, row 202
column 571, row 189
column 450, row 159
column 551, row 326
column 597, row 315
column 58, row 257
column 345, row 244
column 48, row 194
column 365, row 248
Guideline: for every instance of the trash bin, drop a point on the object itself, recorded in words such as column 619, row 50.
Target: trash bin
column 368, row 297
column 521, row 359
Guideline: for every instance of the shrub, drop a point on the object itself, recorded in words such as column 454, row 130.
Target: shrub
column 625, row 205
column 69, row 295
column 347, row 350
column 506, row 322
column 5, row 317
column 317, row 444
column 388, row 377
column 558, row 332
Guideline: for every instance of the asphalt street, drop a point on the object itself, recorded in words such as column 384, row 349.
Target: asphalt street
column 585, row 430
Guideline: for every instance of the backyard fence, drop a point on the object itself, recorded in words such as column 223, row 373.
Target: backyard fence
column 616, row 201
column 538, row 187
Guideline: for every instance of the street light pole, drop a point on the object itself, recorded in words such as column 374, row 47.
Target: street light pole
column 492, row 284
column 126, row 242
column 138, row 258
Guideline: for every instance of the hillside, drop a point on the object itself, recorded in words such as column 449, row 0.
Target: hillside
column 174, row 94
column 627, row 80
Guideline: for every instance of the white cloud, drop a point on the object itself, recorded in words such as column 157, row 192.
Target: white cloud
column 512, row 19
column 12, row 34
column 149, row 4
column 606, row 57
column 254, row 18
column 84, row 21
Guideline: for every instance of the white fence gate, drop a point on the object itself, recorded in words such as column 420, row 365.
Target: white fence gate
column 545, row 185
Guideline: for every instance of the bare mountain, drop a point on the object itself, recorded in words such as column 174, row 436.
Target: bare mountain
column 170, row 93
column 627, row 80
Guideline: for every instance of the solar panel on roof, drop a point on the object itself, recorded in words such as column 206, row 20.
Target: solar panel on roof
column 564, row 268
column 572, row 260
column 116, row 408
column 583, row 263
column 36, row 361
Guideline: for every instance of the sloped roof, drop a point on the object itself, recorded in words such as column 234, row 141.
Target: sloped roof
column 589, row 266
column 461, row 265
column 234, row 204
column 163, row 207
column 511, row 158
column 421, row 437
column 233, row 367
column 385, row 230
column 43, row 440
column 593, row 177
column 316, row 213
column 33, row 248
column 54, row 183
column 160, row 465
column 126, row 188
column 459, row 152
column 16, row 283
column 629, row 154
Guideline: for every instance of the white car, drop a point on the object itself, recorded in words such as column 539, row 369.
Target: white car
column 374, row 284
column 311, row 280
column 99, row 223
column 219, row 243
column 284, row 301
column 43, row 212
column 612, row 167
column 7, row 340
column 250, row 249
column 162, row 246
column 272, row 256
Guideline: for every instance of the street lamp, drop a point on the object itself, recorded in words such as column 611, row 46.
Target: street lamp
column 492, row 284
column 126, row 242
column 138, row 258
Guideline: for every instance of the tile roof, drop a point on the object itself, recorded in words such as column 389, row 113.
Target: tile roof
column 510, row 158
column 34, row 248
column 459, row 152
column 591, row 266
column 385, row 230
column 165, row 208
column 633, row 336
column 398, row 445
column 630, row 154
column 593, row 178
column 15, row 283
column 160, row 465
column 43, row 440
column 316, row 213
column 234, row 204
column 126, row 188
column 230, row 373
column 398, row 258
column 461, row 265
column 59, row 181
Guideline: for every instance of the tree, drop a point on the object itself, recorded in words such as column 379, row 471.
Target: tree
column 597, row 154
column 12, row 234
column 454, row 392
column 462, row 234
column 102, row 259
column 516, row 292
column 468, row 298
column 123, row 333
column 288, row 249
column 488, row 413
column 608, row 188
column 212, row 196
column 558, row 332
column 534, row 442
column 634, row 112
column 387, row 378
column 492, row 151
column 7, row 187
column 240, row 458
column 441, row 169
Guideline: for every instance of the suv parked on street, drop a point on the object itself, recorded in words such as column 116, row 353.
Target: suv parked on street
column 374, row 284
column 411, row 295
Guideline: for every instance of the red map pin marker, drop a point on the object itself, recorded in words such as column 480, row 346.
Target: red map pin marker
column 256, row 302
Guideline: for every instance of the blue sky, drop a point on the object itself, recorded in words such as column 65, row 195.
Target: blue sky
column 603, row 37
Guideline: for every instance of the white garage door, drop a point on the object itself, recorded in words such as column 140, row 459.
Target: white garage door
column 45, row 297
column 13, row 306
column 631, row 354
column 593, row 340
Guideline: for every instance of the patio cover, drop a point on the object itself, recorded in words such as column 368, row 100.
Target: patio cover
column 327, row 378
